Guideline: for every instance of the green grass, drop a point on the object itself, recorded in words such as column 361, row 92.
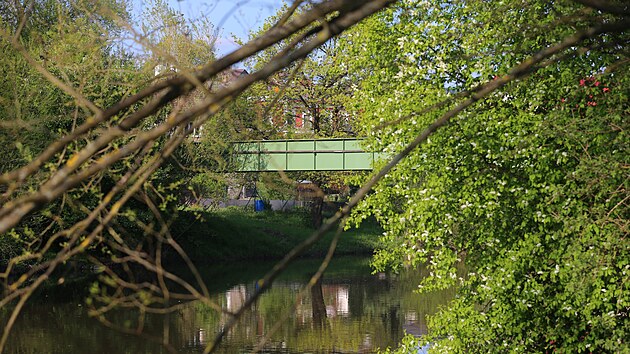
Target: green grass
column 236, row 233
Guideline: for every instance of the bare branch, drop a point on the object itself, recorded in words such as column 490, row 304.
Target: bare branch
column 167, row 90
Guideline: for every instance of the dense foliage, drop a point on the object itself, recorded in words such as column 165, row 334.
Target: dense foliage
column 45, row 40
column 308, row 98
column 529, row 187
column 65, row 42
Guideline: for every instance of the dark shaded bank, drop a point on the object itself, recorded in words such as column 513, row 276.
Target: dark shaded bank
column 218, row 238
column 236, row 234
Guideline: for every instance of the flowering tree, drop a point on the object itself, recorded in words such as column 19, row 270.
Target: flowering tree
column 528, row 187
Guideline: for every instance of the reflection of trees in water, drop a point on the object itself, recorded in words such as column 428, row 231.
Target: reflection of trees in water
column 323, row 320
column 341, row 313
column 318, row 305
column 355, row 314
column 67, row 328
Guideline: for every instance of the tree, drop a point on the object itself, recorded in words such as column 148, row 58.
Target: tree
column 172, row 42
column 306, row 99
column 552, row 41
column 309, row 96
column 128, row 140
column 58, row 62
column 57, row 38
column 529, row 187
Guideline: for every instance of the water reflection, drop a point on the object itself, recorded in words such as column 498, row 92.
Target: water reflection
column 349, row 310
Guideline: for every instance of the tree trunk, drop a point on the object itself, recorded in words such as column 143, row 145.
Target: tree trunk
column 319, row 307
column 316, row 211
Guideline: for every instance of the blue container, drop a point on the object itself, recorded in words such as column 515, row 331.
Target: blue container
column 259, row 205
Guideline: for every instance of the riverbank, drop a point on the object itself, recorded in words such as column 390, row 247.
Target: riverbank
column 364, row 312
column 227, row 235
column 237, row 233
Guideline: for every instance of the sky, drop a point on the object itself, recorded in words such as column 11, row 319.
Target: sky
column 232, row 17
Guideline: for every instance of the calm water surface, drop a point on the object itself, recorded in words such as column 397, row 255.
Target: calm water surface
column 351, row 311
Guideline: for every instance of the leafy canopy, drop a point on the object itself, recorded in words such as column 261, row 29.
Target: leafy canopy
column 528, row 187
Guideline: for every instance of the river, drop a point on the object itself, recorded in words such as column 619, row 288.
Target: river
column 350, row 311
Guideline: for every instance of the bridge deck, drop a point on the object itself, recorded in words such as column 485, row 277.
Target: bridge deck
column 302, row 155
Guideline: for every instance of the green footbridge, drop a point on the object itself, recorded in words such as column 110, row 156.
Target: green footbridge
column 302, row 155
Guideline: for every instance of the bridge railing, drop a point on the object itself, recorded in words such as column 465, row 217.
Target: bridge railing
column 302, row 155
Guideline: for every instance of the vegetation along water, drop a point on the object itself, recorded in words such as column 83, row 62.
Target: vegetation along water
column 430, row 134
column 350, row 310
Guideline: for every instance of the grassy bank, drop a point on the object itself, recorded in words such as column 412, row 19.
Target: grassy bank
column 236, row 233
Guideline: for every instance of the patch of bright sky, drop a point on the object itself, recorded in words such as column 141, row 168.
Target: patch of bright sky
column 233, row 18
